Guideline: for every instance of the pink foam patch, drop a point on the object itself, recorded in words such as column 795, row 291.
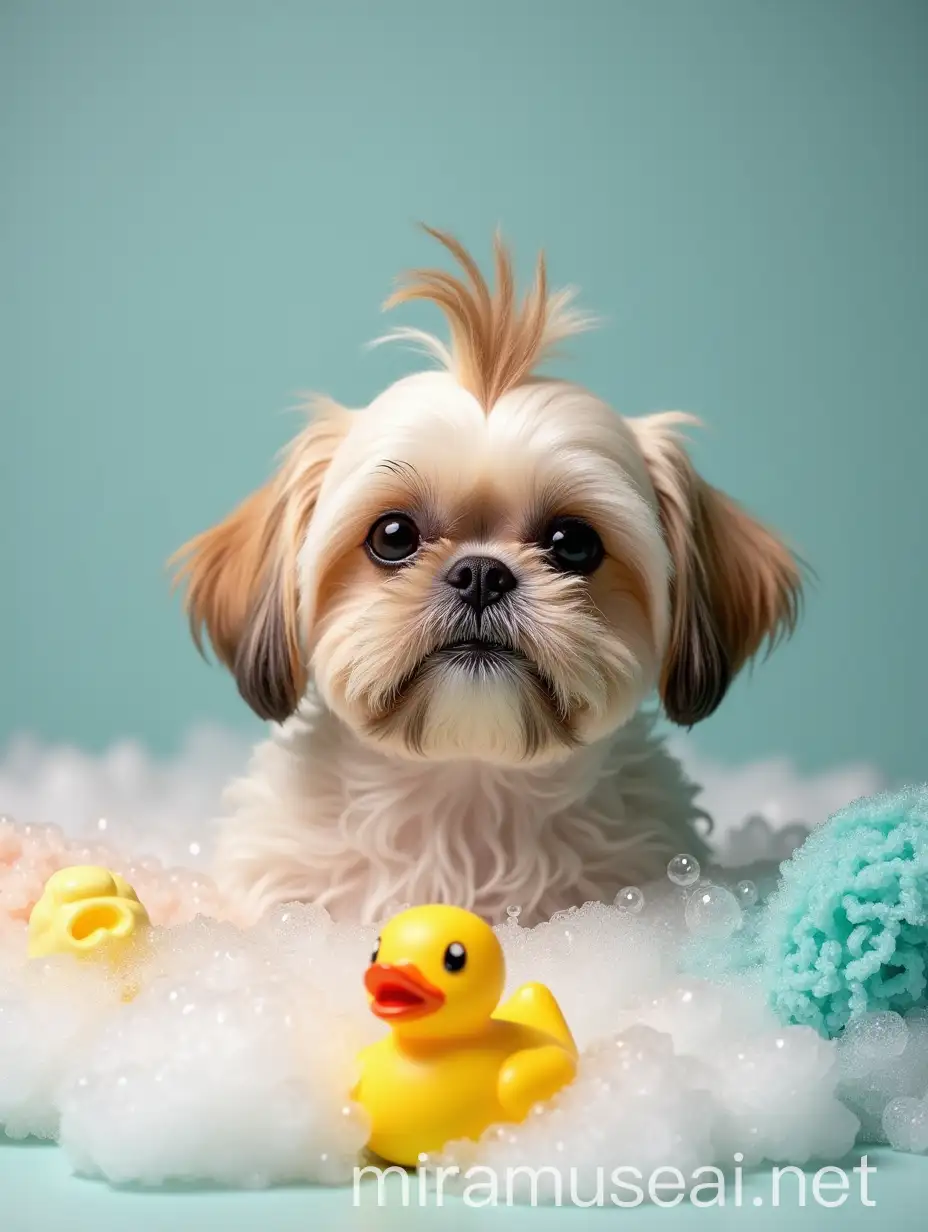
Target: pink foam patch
column 30, row 854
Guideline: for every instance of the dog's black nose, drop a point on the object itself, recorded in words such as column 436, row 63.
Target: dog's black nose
column 480, row 581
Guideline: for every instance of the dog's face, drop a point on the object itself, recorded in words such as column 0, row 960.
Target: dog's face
column 496, row 585
column 480, row 586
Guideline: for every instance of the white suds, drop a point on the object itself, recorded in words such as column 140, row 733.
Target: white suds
column 123, row 796
column 884, row 1077
column 675, row 1072
column 234, row 1063
column 234, row 1060
column 763, row 810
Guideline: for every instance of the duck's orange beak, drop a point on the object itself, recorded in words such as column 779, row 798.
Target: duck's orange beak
column 400, row 992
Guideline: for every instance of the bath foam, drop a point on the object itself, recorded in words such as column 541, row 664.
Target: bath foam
column 123, row 796
column 233, row 1064
column 675, row 1071
column 235, row 1060
column 30, row 854
column 50, row 1011
column 883, row 1063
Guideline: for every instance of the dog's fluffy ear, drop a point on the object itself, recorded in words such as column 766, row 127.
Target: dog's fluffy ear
column 241, row 575
column 735, row 585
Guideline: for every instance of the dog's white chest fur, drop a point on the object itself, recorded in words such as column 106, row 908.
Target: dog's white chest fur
column 322, row 817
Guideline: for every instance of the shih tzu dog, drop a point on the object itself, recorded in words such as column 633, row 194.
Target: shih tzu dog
column 453, row 606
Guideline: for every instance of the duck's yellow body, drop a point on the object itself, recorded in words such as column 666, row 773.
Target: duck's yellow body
column 85, row 911
column 454, row 1061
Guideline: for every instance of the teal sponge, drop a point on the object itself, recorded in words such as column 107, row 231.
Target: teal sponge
column 846, row 932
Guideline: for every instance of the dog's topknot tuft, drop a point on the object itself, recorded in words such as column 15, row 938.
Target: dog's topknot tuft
column 497, row 341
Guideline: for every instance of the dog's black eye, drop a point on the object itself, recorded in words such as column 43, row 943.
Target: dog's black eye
column 574, row 545
column 455, row 957
column 376, row 951
column 393, row 539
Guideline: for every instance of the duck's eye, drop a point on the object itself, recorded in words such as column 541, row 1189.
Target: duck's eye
column 455, row 957
column 376, row 951
column 573, row 545
column 393, row 539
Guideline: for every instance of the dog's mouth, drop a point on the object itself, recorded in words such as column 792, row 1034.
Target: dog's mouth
column 480, row 658
column 486, row 664
column 476, row 651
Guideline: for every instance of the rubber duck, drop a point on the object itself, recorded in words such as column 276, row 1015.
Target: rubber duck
column 85, row 910
column 454, row 1061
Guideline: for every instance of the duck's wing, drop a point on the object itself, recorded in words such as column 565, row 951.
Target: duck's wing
column 532, row 1075
column 534, row 1005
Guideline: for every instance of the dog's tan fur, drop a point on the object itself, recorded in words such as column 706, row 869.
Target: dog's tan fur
column 481, row 457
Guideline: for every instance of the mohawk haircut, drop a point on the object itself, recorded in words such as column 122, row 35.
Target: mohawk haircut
column 497, row 342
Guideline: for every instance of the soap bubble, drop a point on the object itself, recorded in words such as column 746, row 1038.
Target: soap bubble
column 512, row 915
column 683, row 870
column 713, row 911
column 746, row 893
column 630, row 899
column 905, row 1123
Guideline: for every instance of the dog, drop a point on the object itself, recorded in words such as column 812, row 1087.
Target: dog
column 455, row 606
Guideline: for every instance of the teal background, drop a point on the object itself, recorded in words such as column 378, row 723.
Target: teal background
column 203, row 204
